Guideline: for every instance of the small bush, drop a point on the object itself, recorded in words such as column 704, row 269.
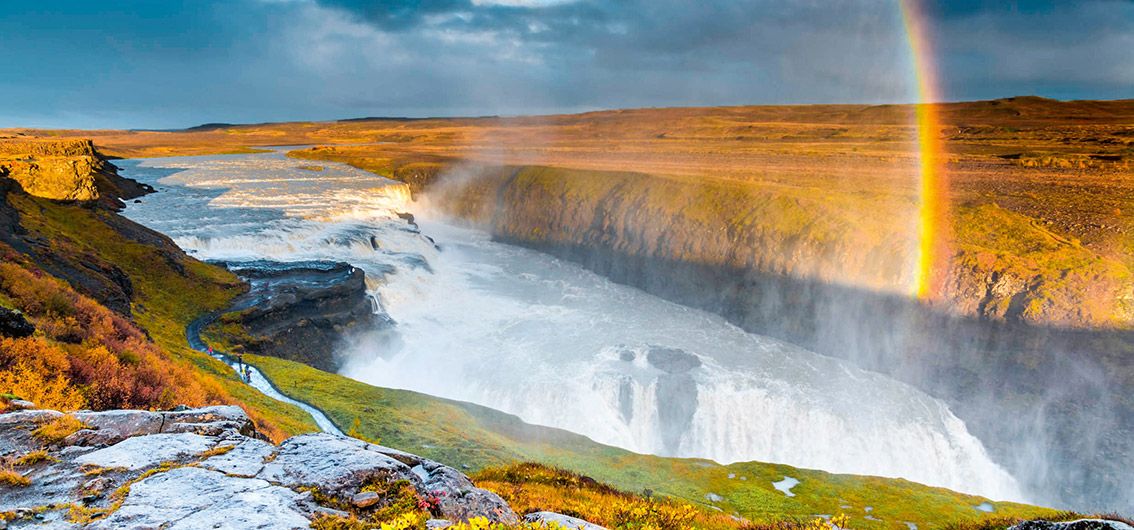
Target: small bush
column 56, row 430
column 35, row 457
column 530, row 487
column 47, row 392
column 11, row 477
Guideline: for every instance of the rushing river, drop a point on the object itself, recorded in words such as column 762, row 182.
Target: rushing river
column 557, row 345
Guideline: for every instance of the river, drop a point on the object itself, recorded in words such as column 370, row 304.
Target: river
column 523, row 332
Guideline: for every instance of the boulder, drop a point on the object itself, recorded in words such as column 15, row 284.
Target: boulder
column 13, row 324
column 336, row 465
column 246, row 458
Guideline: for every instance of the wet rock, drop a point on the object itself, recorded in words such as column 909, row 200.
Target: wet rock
column 302, row 311
column 672, row 360
column 676, row 393
column 626, row 398
column 564, row 521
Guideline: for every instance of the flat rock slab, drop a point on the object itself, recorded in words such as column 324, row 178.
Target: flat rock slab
column 141, row 452
column 191, row 498
column 564, row 521
column 113, row 426
column 246, row 458
column 337, row 465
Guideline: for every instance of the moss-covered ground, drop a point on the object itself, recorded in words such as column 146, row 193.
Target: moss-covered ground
column 472, row 438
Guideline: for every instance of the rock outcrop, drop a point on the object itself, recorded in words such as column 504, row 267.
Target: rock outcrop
column 70, row 170
column 206, row 468
column 85, row 270
column 13, row 324
column 302, row 311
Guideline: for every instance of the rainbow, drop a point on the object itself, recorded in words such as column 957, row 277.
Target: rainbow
column 933, row 188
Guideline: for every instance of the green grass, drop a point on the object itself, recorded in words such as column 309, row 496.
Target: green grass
column 1071, row 283
column 471, row 437
column 170, row 290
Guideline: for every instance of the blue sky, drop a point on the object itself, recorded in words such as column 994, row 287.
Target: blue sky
column 177, row 63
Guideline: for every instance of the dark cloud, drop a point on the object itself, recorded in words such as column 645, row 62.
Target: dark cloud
column 179, row 62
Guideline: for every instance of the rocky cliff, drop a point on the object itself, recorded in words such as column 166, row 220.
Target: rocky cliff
column 209, row 468
column 65, row 169
column 299, row 311
column 824, row 271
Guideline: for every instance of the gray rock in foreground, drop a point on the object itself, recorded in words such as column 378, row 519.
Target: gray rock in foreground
column 207, row 469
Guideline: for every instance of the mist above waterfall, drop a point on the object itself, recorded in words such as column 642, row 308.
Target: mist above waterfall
column 547, row 340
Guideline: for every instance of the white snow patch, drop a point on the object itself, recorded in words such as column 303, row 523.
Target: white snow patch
column 786, row 485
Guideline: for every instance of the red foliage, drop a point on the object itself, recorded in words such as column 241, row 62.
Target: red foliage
column 105, row 356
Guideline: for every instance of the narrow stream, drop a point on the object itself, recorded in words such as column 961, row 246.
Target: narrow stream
column 255, row 378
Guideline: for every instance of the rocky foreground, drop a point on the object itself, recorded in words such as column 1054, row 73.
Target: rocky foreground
column 209, row 468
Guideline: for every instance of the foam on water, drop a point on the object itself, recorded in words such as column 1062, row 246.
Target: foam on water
column 544, row 339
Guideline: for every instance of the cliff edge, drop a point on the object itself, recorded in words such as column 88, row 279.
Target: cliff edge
column 66, row 170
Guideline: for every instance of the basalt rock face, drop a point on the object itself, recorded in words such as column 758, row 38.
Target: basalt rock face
column 303, row 311
column 208, row 468
column 70, row 170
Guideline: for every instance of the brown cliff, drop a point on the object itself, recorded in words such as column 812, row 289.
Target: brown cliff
column 64, row 169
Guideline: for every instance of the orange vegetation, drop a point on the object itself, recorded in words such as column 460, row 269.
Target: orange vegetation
column 530, row 487
column 87, row 355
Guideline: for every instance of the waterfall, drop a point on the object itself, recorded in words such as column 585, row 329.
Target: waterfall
column 557, row 345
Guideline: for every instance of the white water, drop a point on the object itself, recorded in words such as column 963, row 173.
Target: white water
column 523, row 332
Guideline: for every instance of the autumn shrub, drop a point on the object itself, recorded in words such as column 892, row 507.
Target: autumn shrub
column 11, row 477
column 58, row 429
column 87, row 354
column 47, row 392
column 34, row 457
column 530, row 487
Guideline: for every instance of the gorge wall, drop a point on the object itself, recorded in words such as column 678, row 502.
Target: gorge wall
column 64, row 169
column 818, row 269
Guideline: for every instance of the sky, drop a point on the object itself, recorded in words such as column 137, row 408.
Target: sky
column 179, row 63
